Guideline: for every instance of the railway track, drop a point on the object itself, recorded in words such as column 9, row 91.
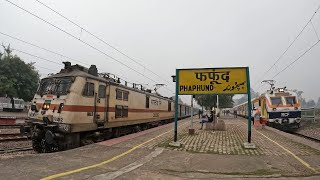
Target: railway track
column 12, row 137
column 17, row 149
column 9, row 126
column 307, row 137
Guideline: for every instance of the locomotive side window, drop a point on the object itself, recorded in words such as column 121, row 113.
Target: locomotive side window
column 88, row 89
column 122, row 95
column 118, row 94
column 121, row 111
column 147, row 101
column 125, row 95
column 118, row 111
column 102, row 91
column 125, row 111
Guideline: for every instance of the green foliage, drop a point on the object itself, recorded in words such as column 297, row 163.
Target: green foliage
column 210, row 100
column 17, row 79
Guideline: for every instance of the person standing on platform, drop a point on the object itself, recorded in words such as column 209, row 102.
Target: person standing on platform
column 256, row 117
column 235, row 113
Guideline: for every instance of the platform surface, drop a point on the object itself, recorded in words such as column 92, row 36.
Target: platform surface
column 147, row 155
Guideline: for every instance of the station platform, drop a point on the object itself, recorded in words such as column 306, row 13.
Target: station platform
column 205, row 155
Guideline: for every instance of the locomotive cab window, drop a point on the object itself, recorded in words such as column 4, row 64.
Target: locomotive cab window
column 88, row 89
column 102, row 91
column 276, row 100
column 291, row 100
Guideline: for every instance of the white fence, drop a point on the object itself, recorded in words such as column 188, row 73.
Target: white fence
column 310, row 114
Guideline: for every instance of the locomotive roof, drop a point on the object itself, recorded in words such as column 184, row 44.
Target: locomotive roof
column 82, row 73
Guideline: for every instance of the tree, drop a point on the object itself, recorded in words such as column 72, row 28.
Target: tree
column 210, row 100
column 318, row 103
column 303, row 102
column 311, row 103
column 17, row 79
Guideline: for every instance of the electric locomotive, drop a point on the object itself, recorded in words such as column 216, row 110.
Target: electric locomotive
column 78, row 106
column 279, row 106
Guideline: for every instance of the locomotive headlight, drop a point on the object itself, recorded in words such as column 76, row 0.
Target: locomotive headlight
column 274, row 109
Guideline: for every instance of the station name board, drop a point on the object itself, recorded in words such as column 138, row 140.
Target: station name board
column 212, row 81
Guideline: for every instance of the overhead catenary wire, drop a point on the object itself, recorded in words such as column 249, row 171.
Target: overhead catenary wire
column 280, row 57
column 297, row 59
column 56, row 53
column 35, row 56
column 89, row 45
column 101, row 40
column 84, row 42
column 59, row 54
column 304, row 53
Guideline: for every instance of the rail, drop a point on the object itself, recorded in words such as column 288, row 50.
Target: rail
column 17, row 149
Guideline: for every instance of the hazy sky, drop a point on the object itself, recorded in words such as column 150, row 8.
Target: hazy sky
column 168, row 34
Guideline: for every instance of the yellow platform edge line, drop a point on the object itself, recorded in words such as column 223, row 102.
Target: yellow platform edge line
column 295, row 156
column 107, row 161
column 288, row 151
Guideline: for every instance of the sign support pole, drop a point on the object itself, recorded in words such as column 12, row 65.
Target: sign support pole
column 249, row 106
column 176, row 102
column 191, row 130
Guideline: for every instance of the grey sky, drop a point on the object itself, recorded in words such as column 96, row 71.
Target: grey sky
column 169, row 34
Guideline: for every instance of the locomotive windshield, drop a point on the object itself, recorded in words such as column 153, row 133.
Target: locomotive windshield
column 291, row 100
column 276, row 101
column 56, row 86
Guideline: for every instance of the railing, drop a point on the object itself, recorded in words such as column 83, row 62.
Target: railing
column 310, row 113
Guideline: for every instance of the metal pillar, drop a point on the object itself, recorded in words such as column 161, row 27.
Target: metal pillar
column 176, row 102
column 249, row 106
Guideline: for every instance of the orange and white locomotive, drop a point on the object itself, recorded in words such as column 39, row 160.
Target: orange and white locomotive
column 280, row 108
column 78, row 106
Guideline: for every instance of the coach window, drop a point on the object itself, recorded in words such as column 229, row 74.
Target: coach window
column 118, row 111
column 169, row 105
column 88, row 89
column 147, row 101
column 118, row 94
column 125, row 95
column 102, row 91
